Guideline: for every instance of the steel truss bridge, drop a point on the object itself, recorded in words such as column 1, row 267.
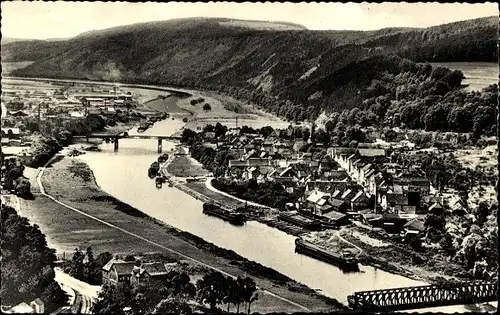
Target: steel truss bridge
column 424, row 296
column 116, row 137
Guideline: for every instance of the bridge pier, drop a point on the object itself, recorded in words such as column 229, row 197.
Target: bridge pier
column 159, row 145
column 115, row 142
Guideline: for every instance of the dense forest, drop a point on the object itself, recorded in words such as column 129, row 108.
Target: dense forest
column 296, row 74
column 27, row 264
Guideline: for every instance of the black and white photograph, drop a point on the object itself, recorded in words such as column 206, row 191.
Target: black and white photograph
column 253, row 158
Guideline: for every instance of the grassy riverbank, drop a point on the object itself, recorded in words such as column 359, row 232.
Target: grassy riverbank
column 72, row 182
column 186, row 166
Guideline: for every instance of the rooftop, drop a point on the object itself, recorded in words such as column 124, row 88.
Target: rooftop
column 121, row 267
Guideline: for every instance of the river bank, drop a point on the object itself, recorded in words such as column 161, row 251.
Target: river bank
column 385, row 256
column 430, row 267
column 186, row 166
column 72, row 182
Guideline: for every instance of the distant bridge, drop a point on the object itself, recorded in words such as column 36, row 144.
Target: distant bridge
column 424, row 296
column 116, row 137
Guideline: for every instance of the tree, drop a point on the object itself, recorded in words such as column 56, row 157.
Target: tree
column 329, row 126
column 266, row 131
column 435, row 221
column 91, row 270
column 220, row 130
column 248, row 291
column 188, row 136
column 23, row 187
column 390, row 135
column 180, row 283
column 113, row 299
column 27, row 263
column 103, row 258
column 446, row 244
column 481, row 212
column 436, row 118
column 77, row 267
column 207, row 107
column 211, row 289
column 230, row 292
column 129, row 258
column 173, row 305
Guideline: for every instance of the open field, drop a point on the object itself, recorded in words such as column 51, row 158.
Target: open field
column 472, row 158
column 217, row 107
column 66, row 230
column 72, row 182
column 486, row 161
column 185, row 166
column 478, row 75
column 8, row 67
column 167, row 105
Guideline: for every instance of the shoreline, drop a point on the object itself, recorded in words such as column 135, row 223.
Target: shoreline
column 200, row 193
column 252, row 268
column 419, row 274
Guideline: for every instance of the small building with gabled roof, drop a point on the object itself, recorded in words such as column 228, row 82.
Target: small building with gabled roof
column 147, row 272
column 117, row 271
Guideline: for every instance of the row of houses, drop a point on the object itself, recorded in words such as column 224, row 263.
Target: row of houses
column 396, row 189
column 363, row 182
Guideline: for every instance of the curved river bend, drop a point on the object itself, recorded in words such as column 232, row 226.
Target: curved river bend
column 123, row 174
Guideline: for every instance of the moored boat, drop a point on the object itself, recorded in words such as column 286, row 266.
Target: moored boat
column 154, row 169
column 298, row 219
column 163, row 158
column 159, row 181
column 226, row 215
column 343, row 259
column 143, row 127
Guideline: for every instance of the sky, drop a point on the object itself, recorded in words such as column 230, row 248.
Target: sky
column 44, row 20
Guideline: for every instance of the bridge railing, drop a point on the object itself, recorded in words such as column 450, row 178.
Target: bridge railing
column 423, row 296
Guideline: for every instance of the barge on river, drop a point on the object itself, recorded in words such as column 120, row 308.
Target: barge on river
column 153, row 170
column 163, row 158
column 344, row 260
column 143, row 127
column 159, row 181
column 299, row 219
column 232, row 217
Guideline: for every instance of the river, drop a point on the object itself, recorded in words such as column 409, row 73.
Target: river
column 123, row 174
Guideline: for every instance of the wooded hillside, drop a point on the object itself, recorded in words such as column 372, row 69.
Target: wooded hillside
column 287, row 72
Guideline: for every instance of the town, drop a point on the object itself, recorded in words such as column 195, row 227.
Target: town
column 348, row 205
column 299, row 171
column 379, row 189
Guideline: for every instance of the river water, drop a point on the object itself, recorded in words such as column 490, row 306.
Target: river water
column 123, row 174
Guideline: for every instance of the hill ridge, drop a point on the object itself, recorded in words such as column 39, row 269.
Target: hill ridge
column 265, row 66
